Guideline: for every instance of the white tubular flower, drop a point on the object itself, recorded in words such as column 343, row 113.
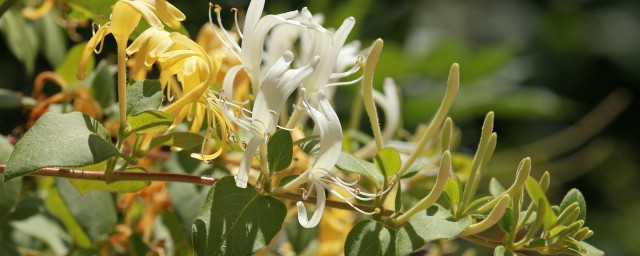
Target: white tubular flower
column 278, row 84
column 317, row 40
column 320, row 174
column 253, row 36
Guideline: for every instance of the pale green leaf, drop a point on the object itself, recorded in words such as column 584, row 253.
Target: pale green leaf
column 351, row 164
column 279, row 151
column 236, row 221
column 68, row 68
column 537, row 195
column 44, row 230
column 501, row 251
column 590, row 250
column 495, row 188
column 150, row 121
column 387, row 161
column 143, row 96
column 57, row 207
column 60, row 140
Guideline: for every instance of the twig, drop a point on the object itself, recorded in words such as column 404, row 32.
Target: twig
column 172, row 177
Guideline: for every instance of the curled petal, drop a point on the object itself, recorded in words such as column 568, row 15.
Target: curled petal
column 317, row 214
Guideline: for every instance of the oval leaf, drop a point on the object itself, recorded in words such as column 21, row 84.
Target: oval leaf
column 279, row 151
column 537, row 195
column 60, row 140
column 571, row 197
column 143, row 96
column 351, row 164
column 236, row 221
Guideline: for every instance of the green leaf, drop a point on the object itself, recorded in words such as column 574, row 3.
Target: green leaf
column 398, row 199
column 44, row 230
column 143, row 96
column 414, row 169
column 57, row 207
column 387, row 161
column 150, row 121
column 495, row 188
column 299, row 236
column 67, row 69
column 94, row 212
column 60, row 140
column 279, row 151
column 453, row 190
column 590, row 250
column 571, row 197
column 20, row 37
column 501, row 251
column 351, row 164
column 536, row 194
column 369, row 237
column 184, row 140
column 102, row 84
column 236, row 221
column 506, row 221
column 84, row 186
column 10, row 191
column 91, row 9
column 56, row 44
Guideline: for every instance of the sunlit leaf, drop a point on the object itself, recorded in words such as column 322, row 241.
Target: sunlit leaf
column 84, row 186
column 387, row 161
column 537, row 195
column 150, row 121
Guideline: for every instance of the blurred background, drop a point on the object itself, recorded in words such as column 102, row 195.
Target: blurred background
column 562, row 77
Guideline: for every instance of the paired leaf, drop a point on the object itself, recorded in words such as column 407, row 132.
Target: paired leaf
column 279, row 151
column 236, row 221
column 150, row 121
column 143, row 96
column 60, row 140
column 351, row 164
column 369, row 237
column 387, row 161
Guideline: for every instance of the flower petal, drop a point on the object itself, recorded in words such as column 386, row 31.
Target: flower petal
column 321, row 198
column 245, row 165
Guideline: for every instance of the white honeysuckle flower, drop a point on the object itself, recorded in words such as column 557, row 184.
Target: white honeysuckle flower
column 321, row 173
column 256, row 28
column 317, row 40
column 389, row 102
column 277, row 85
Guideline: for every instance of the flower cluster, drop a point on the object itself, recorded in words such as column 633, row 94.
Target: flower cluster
column 266, row 54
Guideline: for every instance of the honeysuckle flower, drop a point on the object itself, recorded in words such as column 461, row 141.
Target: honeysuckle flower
column 125, row 17
column 321, row 173
column 38, row 12
column 277, row 85
column 253, row 36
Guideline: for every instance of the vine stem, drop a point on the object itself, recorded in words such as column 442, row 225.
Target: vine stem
column 172, row 177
